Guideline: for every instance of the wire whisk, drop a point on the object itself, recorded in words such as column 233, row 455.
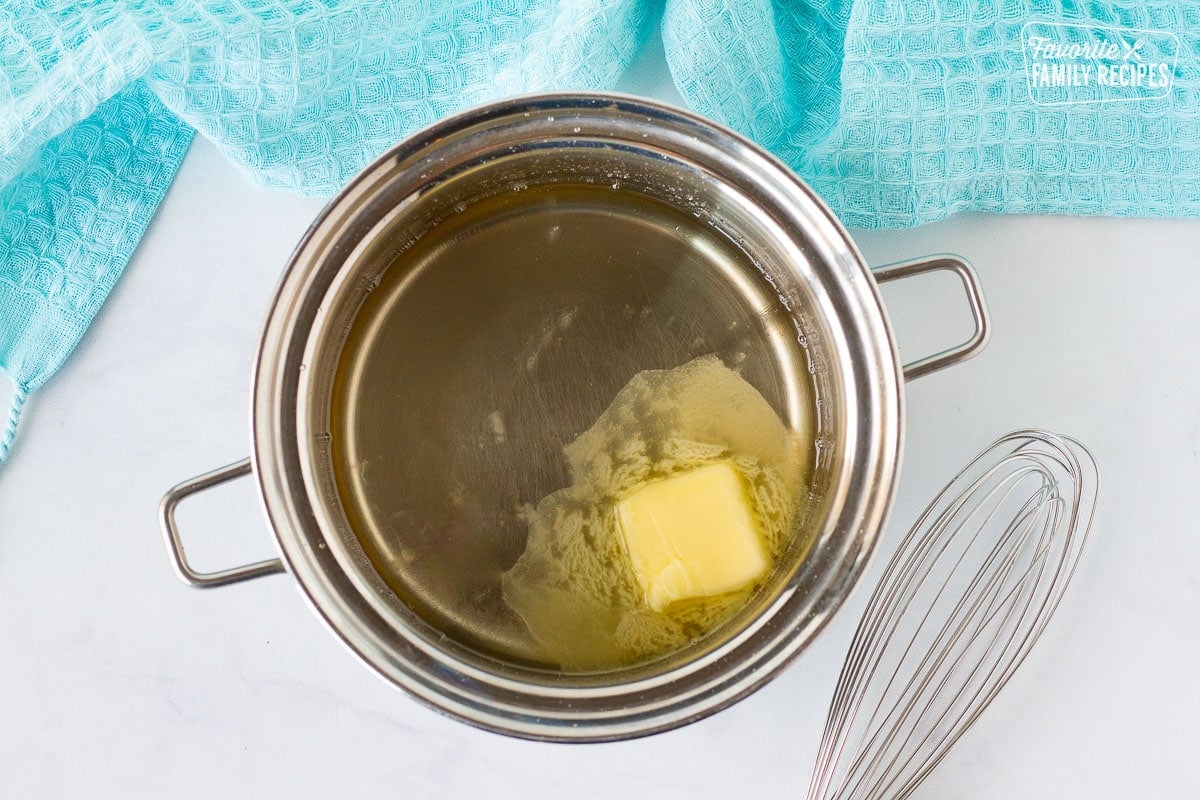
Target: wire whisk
column 966, row 596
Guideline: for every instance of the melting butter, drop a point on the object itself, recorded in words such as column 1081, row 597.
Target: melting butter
column 692, row 535
column 577, row 587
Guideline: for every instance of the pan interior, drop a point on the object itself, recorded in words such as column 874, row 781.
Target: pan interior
column 495, row 321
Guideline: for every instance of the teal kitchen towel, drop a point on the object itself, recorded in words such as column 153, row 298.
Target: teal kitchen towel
column 906, row 111
column 897, row 111
column 69, row 220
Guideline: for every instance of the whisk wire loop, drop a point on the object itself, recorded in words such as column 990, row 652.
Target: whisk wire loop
column 966, row 596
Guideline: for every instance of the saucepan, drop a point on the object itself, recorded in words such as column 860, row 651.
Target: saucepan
column 402, row 414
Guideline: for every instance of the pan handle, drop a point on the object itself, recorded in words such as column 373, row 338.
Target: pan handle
column 979, row 312
column 166, row 519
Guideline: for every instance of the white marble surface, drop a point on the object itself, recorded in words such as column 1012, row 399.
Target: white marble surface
column 118, row 681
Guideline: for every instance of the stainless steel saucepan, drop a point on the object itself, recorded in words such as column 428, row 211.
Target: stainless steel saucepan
column 378, row 398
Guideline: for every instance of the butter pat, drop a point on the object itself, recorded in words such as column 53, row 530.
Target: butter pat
column 692, row 535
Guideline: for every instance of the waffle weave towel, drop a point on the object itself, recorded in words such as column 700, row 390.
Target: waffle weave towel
column 897, row 111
